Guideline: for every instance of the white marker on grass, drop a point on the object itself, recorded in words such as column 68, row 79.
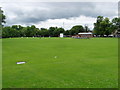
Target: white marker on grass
column 20, row 62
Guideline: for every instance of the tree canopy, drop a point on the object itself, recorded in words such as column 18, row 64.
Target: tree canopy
column 104, row 26
column 2, row 17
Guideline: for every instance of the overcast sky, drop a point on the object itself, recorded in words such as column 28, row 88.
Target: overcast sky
column 46, row 14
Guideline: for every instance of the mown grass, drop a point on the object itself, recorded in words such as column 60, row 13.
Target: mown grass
column 60, row 63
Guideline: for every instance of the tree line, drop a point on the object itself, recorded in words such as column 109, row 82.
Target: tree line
column 32, row 31
column 102, row 26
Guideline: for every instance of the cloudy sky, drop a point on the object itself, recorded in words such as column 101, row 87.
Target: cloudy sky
column 61, row 14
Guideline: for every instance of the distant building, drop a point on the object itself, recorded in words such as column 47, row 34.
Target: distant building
column 83, row 35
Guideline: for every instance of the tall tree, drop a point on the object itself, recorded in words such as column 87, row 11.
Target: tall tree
column 103, row 26
column 2, row 17
column 97, row 26
column 107, row 26
column 76, row 29
column 116, row 23
column 2, row 20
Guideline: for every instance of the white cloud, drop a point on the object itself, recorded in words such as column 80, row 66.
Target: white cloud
column 60, row 0
column 68, row 23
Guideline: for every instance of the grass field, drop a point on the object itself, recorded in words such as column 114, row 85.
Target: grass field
column 60, row 63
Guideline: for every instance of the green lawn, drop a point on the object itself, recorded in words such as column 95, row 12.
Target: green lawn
column 60, row 63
